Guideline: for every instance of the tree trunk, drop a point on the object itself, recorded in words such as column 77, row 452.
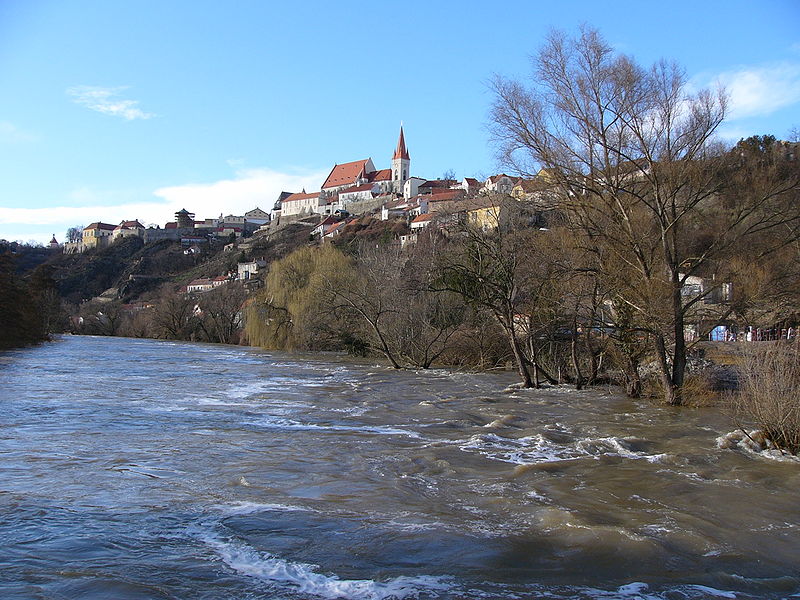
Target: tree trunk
column 671, row 392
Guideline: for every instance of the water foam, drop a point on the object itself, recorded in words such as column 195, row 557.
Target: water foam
column 538, row 449
column 305, row 579
column 289, row 424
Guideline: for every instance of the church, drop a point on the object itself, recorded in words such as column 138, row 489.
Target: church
column 351, row 182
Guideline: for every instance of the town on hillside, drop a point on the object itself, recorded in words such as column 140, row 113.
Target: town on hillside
column 352, row 190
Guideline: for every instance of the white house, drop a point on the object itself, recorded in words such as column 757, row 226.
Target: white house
column 300, row 204
column 247, row 270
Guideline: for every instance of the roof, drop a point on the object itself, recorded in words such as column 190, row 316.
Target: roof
column 336, row 227
column 346, row 173
column 130, row 225
column 438, row 183
column 300, row 196
column 98, row 225
column 201, row 281
column 422, row 218
column 446, row 195
column 400, row 151
column 367, row 187
column 381, row 175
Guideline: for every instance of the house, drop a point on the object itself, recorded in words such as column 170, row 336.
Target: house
column 128, row 229
column 366, row 191
column 257, row 216
column 199, row 286
column 97, row 235
column 301, row 204
column 247, row 270
column 484, row 214
column 471, row 185
column 421, row 221
column 500, row 184
column 334, row 230
column 435, row 185
column 411, row 186
column 324, row 225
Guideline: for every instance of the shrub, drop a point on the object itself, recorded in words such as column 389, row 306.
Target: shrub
column 769, row 393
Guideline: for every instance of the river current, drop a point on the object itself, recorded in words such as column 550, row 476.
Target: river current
column 133, row 469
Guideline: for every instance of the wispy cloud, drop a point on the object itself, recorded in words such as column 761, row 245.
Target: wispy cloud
column 106, row 100
column 11, row 134
column 244, row 191
column 761, row 90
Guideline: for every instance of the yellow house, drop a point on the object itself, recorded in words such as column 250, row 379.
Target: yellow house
column 97, row 235
column 485, row 215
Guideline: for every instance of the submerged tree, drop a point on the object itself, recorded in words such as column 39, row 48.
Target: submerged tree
column 631, row 152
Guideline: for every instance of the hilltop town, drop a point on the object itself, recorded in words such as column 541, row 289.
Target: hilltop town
column 352, row 191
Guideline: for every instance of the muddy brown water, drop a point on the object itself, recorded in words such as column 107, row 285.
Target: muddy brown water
column 135, row 469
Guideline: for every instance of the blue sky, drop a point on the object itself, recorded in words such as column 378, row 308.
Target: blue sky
column 115, row 110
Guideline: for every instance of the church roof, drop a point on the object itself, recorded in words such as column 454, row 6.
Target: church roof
column 346, row 173
column 382, row 175
column 400, row 151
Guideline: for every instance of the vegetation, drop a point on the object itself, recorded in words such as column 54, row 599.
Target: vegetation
column 650, row 196
column 769, row 393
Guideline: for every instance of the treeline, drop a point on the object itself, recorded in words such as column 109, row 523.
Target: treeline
column 214, row 316
column 30, row 308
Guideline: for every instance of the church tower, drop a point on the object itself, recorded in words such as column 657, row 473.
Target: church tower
column 401, row 164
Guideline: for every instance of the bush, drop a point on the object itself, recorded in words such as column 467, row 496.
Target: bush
column 769, row 393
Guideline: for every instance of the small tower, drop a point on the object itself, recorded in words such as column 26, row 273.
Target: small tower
column 184, row 218
column 401, row 164
column 54, row 243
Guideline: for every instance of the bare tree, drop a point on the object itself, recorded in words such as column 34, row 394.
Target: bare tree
column 631, row 151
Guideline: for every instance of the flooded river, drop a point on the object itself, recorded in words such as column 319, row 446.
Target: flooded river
column 134, row 469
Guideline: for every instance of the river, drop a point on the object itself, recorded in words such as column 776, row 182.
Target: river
column 134, row 469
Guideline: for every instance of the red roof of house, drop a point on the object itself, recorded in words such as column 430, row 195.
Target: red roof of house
column 380, row 175
column 171, row 225
column 201, row 281
column 130, row 225
column 400, row 151
column 300, row 196
column 346, row 173
column 336, row 227
column 472, row 181
column 446, row 195
column 422, row 218
column 99, row 225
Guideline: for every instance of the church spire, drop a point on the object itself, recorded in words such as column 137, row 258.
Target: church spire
column 401, row 151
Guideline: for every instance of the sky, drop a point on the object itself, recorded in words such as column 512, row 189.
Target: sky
column 113, row 110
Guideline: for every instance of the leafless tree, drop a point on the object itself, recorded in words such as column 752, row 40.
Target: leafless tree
column 631, row 152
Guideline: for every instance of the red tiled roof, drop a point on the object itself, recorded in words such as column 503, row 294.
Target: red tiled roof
column 346, row 173
column 336, row 227
column 423, row 218
column 437, row 183
column 446, row 195
column 300, row 196
column 381, row 175
column 400, row 151
column 98, row 225
column 171, row 225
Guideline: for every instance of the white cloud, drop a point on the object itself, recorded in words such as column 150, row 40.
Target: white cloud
column 761, row 90
column 246, row 190
column 10, row 133
column 105, row 100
